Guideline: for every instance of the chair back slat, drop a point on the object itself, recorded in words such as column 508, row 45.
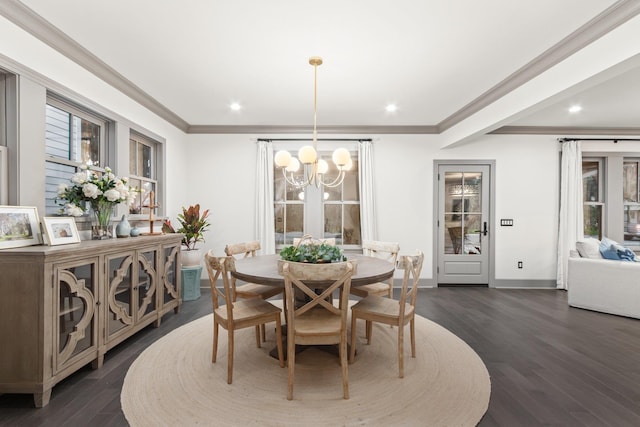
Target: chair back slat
column 412, row 266
column 296, row 273
column 221, row 267
column 387, row 251
column 246, row 249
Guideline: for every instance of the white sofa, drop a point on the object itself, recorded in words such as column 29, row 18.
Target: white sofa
column 604, row 285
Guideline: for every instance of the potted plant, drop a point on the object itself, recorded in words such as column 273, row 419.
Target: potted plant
column 311, row 253
column 192, row 226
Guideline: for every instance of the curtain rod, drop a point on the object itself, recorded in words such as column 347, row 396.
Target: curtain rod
column 319, row 139
column 615, row 140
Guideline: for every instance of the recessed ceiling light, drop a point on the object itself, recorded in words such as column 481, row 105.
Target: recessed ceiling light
column 235, row 106
column 391, row 108
column 575, row 108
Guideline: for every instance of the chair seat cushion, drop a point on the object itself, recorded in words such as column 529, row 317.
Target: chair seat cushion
column 382, row 307
column 252, row 290
column 379, row 288
column 248, row 309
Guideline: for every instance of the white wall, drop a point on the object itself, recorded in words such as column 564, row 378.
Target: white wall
column 218, row 171
column 527, row 190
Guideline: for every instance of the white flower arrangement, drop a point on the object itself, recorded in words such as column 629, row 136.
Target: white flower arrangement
column 100, row 192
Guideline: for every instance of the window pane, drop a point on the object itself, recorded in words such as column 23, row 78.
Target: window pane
column 279, row 186
column 352, row 225
column 57, row 133
column 591, row 181
column 56, row 174
column 333, row 222
column 630, row 182
column 279, row 223
column 86, row 142
column 294, row 222
column 144, row 157
column 133, row 158
column 351, row 190
column 593, row 221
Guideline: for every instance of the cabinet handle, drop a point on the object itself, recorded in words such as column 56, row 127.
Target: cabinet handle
column 97, row 302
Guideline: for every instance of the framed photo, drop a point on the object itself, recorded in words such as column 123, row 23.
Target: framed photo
column 19, row 226
column 60, row 230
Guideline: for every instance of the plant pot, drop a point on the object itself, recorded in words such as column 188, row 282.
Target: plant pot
column 318, row 266
column 191, row 258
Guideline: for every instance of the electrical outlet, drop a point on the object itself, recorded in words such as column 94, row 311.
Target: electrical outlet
column 519, row 264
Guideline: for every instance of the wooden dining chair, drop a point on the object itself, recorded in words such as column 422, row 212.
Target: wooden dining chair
column 235, row 315
column 317, row 321
column 375, row 308
column 383, row 250
column 250, row 290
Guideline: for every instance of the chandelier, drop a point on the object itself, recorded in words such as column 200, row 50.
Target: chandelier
column 314, row 168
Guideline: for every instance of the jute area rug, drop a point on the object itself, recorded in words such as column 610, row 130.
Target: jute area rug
column 174, row 383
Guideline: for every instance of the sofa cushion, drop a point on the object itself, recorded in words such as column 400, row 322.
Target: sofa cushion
column 589, row 248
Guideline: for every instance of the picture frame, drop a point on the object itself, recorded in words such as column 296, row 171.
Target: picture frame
column 60, row 230
column 19, row 226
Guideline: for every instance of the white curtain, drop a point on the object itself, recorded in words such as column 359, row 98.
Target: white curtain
column 368, row 226
column 571, row 225
column 264, row 226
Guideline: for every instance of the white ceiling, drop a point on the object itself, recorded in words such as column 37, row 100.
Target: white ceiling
column 431, row 58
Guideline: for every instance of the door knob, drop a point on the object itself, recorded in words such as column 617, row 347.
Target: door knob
column 484, row 230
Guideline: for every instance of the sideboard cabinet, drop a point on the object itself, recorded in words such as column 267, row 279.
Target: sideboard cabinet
column 62, row 307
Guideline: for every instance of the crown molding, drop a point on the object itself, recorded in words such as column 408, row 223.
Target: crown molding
column 264, row 129
column 28, row 20
column 611, row 18
column 31, row 22
column 564, row 130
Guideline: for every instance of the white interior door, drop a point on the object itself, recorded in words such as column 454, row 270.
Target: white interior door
column 463, row 224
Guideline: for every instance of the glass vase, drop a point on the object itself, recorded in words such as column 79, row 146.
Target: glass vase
column 101, row 228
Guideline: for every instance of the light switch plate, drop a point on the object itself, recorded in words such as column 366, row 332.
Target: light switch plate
column 506, row 222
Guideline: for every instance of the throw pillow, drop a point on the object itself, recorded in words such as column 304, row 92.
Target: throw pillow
column 611, row 249
column 589, row 248
column 607, row 250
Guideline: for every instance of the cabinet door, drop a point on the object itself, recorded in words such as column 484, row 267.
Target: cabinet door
column 146, row 286
column 170, row 283
column 75, row 326
column 120, row 314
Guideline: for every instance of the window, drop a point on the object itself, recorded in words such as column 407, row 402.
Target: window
column 593, row 197
column 322, row 212
column 73, row 138
column 631, row 199
column 142, row 171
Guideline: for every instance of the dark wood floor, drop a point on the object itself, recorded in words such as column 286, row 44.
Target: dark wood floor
column 550, row 365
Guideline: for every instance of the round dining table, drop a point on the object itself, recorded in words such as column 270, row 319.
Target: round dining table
column 263, row 269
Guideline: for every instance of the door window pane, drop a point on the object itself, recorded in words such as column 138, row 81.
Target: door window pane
column 462, row 216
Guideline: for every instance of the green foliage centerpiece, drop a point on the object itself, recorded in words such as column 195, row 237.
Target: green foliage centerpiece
column 313, row 253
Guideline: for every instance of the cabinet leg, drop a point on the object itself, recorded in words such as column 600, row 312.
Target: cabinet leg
column 42, row 399
column 176, row 310
column 97, row 363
